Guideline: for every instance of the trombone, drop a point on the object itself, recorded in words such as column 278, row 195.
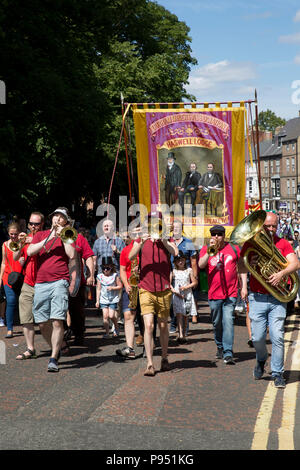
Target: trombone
column 16, row 246
column 67, row 235
column 212, row 250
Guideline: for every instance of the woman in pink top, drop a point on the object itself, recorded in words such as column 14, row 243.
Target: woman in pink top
column 7, row 266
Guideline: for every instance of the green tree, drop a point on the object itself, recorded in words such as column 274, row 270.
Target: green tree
column 268, row 121
column 65, row 63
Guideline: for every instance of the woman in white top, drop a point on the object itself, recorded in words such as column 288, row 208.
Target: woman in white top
column 182, row 283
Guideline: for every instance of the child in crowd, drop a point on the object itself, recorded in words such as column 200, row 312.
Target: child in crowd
column 109, row 287
column 182, row 283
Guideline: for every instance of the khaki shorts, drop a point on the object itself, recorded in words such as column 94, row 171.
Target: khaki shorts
column 25, row 304
column 157, row 303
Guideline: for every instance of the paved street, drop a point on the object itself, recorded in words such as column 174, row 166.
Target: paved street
column 100, row 401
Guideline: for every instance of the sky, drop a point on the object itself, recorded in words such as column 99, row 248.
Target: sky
column 241, row 46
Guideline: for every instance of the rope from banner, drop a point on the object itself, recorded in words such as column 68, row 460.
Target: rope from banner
column 116, row 159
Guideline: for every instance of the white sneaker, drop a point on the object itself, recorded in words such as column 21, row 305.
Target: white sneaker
column 2, row 322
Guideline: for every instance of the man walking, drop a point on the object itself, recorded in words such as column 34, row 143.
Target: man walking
column 108, row 245
column 35, row 224
column 154, row 289
column 221, row 267
column 52, row 282
column 265, row 311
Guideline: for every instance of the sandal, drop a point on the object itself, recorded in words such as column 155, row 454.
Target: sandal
column 31, row 355
column 150, row 371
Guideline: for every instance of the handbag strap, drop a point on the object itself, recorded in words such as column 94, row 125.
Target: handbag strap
column 7, row 258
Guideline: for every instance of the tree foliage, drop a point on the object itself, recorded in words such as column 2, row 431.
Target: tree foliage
column 64, row 64
column 268, row 121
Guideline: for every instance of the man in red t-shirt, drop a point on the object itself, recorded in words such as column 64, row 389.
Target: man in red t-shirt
column 154, row 288
column 51, row 293
column 221, row 268
column 35, row 224
column 128, row 268
column 265, row 311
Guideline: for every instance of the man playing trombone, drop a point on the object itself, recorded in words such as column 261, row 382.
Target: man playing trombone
column 52, row 281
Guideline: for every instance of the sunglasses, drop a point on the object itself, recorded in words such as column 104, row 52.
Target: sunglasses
column 34, row 223
column 217, row 234
column 106, row 268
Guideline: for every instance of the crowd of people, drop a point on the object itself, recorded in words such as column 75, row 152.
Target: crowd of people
column 144, row 278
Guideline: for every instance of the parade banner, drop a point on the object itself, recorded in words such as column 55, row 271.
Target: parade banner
column 210, row 139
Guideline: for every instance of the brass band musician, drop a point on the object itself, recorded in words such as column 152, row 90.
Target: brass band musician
column 264, row 309
column 52, row 281
column 220, row 260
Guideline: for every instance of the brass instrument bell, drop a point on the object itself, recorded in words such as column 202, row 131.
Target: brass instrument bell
column 68, row 235
column 270, row 260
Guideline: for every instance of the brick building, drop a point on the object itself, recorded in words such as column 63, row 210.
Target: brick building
column 279, row 168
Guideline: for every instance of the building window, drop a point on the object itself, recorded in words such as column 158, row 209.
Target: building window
column 277, row 167
column 271, row 167
column 293, row 188
column 276, row 188
column 250, row 186
column 266, row 168
column 288, row 187
column 293, row 164
column 288, row 165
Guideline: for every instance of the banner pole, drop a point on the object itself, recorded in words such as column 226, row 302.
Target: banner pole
column 257, row 146
column 126, row 151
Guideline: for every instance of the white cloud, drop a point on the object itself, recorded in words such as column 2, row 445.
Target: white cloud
column 214, row 77
column 290, row 38
column 297, row 59
column 297, row 16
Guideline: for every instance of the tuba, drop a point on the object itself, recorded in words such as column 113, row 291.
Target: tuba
column 270, row 261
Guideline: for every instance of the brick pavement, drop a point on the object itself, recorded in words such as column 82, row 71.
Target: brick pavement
column 199, row 403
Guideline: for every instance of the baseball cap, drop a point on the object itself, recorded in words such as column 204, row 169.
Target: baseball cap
column 63, row 211
column 217, row 229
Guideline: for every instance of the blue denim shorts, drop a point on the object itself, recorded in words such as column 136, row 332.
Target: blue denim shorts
column 51, row 301
column 112, row 306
